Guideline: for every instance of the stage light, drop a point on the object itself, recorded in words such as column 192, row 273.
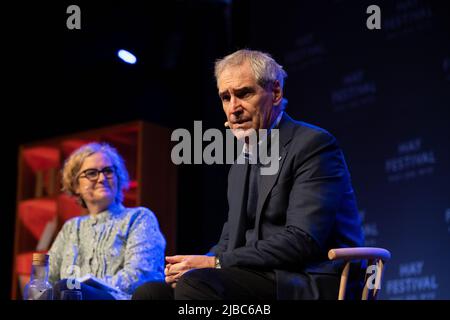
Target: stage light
column 127, row 56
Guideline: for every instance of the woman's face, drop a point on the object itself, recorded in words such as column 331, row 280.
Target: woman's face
column 97, row 189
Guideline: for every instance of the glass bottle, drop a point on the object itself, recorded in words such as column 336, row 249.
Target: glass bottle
column 39, row 288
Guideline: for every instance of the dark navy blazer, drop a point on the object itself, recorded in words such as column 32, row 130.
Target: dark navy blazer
column 305, row 209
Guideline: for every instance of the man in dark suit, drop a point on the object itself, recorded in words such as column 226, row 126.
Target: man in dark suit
column 280, row 226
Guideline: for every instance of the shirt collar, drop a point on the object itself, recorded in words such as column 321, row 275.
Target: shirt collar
column 102, row 216
column 248, row 150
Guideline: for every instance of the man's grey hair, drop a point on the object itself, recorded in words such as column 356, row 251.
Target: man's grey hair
column 265, row 69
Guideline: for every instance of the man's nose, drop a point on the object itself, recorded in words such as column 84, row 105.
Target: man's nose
column 235, row 104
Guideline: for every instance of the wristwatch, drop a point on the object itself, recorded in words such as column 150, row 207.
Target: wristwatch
column 217, row 262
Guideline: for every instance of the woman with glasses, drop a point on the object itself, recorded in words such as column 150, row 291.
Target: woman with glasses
column 122, row 247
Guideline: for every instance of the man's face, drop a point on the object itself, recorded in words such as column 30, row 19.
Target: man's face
column 246, row 104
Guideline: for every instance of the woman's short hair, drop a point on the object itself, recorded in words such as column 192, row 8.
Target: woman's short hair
column 72, row 166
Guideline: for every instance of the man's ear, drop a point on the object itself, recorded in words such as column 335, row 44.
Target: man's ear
column 277, row 93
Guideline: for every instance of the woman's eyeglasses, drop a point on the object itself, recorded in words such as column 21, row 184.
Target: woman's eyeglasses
column 93, row 174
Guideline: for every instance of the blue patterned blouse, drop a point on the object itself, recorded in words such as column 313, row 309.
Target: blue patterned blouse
column 121, row 246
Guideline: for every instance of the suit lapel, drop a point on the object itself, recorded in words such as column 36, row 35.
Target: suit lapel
column 238, row 182
column 267, row 182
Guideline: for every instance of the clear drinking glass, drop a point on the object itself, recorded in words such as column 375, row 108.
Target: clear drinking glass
column 71, row 295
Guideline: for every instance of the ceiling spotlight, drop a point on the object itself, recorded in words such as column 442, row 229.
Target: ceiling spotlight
column 127, row 56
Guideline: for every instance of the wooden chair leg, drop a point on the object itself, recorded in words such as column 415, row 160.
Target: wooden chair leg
column 344, row 278
column 365, row 293
column 380, row 266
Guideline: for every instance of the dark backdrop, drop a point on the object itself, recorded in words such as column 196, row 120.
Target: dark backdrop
column 384, row 94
